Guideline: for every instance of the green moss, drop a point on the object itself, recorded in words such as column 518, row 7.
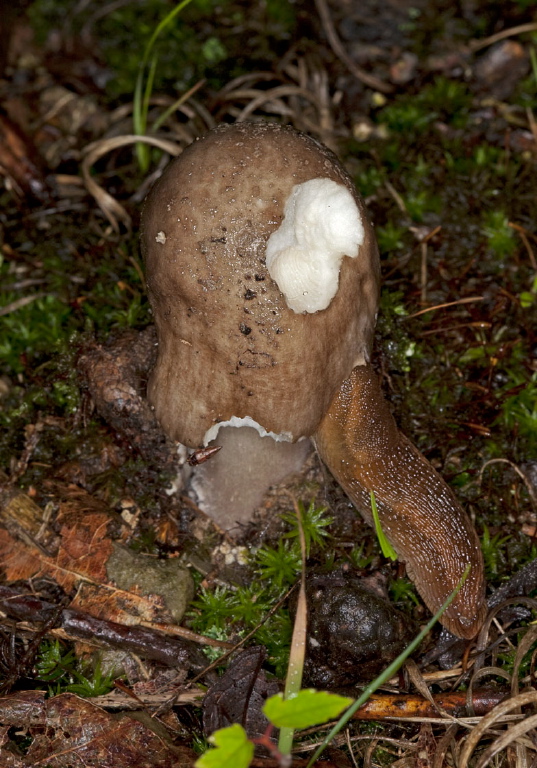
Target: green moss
column 492, row 546
column 57, row 670
column 398, row 348
column 500, row 236
column 403, row 593
column 518, row 411
column 280, row 564
column 390, row 237
column 107, row 293
column 275, row 570
column 369, row 180
column 448, row 100
column 40, row 326
column 420, row 203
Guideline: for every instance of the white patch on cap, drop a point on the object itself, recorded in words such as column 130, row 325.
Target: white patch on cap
column 160, row 238
column 321, row 224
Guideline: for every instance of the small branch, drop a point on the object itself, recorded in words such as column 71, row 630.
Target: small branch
column 477, row 45
column 384, row 706
column 466, row 300
column 77, row 625
column 343, row 56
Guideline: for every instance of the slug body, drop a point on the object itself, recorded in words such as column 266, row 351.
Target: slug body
column 360, row 443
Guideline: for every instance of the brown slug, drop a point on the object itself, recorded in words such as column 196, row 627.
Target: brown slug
column 360, row 443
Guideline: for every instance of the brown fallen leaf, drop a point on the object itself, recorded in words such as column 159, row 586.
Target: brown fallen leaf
column 69, row 731
column 79, row 560
column 238, row 696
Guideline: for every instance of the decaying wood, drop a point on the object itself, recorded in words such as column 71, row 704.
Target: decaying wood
column 387, row 706
column 77, row 625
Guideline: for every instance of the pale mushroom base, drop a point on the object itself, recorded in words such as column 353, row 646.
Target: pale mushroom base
column 232, row 483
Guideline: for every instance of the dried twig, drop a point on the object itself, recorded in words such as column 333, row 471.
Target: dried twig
column 77, row 625
column 477, row 45
column 466, row 300
column 113, row 210
column 341, row 53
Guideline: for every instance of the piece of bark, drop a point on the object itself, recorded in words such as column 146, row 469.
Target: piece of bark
column 115, row 374
column 144, row 642
column 384, row 706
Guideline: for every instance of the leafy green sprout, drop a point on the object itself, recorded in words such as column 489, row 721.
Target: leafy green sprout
column 57, row 666
column 144, row 85
column 492, row 547
column 386, row 547
column 359, row 559
column 500, row 236
column 314, row 521
column 55, row 663
column 403, row 591
column 212, row 609
column 279, row 565
column 94, row 684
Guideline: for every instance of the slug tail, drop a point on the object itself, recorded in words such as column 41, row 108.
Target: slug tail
column 360, row 443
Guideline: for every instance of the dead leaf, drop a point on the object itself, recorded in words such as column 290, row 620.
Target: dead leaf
column 238, row 696
column 72, row 732
column 79, row 565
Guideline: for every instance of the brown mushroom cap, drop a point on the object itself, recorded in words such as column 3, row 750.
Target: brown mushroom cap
column 228, row 343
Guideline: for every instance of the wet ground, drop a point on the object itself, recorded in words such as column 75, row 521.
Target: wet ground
column 431, row 108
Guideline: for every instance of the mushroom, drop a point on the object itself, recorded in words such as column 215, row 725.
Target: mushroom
column 231, row 351
column 263, row 276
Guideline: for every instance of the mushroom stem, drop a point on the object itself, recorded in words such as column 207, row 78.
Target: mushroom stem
column 360, row 443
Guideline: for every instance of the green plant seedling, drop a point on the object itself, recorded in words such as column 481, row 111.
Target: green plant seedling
column 279, row 565
column 305, row 709
column 96, row 684
column 314, row 521
column 144, row 85
column 386, row 547
column 233, row 747
column 402, row 590
column 55, row 663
